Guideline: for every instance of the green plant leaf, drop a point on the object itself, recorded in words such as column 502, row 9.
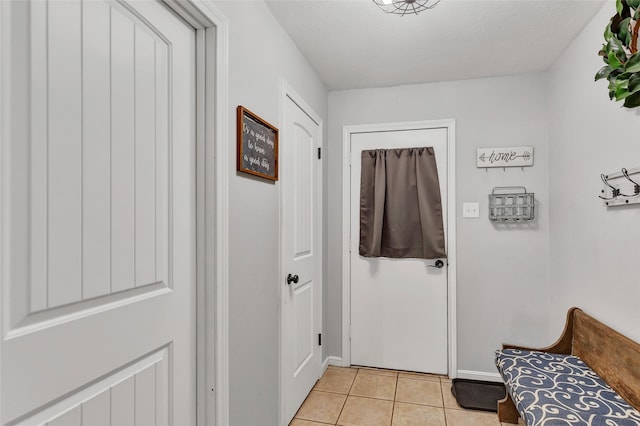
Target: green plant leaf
column 633, row 64
column 633, row 3
column 613, row 79
column 618, row 85
column 603, row 72
column 634, row 83
column 632, row 101
column 624, row 34
column 619, row 6
column 616, row 73
column 613, row 61
column 621, row 93
column 615, row 46
column 621, row 83
column 607, row 32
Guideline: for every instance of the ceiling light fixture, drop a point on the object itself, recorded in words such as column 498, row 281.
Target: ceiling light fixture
column 402, row 7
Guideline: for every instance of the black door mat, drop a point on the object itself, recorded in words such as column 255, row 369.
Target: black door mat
column 477, row 395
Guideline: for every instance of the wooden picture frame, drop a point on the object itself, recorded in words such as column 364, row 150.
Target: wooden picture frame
column 257, row 152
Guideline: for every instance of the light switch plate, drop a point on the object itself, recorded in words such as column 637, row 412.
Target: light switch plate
column 471, row 210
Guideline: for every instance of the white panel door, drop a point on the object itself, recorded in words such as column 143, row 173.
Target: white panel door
column 302, row 250
column 98, row 215
column 398, row 306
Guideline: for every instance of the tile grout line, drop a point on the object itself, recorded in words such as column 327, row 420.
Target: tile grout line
column 444, row 409
column 372, row 398
column 395, row 395
column 348, row 393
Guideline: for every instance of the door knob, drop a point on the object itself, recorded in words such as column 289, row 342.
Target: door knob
column 292, row 279
column 439, row 264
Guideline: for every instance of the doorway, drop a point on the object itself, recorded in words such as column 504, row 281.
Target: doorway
column 399, row 313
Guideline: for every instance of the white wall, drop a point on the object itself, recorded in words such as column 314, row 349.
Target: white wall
column 261, row 54
column 502, row 270
column 593, row 250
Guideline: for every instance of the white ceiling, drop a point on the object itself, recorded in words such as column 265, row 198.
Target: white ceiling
column 353, row 44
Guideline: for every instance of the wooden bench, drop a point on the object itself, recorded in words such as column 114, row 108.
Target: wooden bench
column 612, row 356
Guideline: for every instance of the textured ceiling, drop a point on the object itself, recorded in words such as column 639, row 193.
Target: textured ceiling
column 353, row 44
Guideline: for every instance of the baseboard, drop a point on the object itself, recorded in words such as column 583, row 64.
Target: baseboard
column 331, row 360
column 479, row 375
column 462, row 374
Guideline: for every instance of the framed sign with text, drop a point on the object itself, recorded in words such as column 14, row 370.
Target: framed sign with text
column 257, row 145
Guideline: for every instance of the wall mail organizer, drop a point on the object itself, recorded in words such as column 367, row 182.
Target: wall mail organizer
column 509, row 156
column 506, row 205
column 620, row 188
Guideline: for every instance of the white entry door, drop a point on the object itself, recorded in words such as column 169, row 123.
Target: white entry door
column 398, row 306
column 302, row 288
column 98, row 215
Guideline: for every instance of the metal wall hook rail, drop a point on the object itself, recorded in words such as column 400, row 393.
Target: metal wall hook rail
column 621, row 187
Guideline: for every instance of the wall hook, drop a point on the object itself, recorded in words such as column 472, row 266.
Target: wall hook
column 614, row 191
column 636, row 186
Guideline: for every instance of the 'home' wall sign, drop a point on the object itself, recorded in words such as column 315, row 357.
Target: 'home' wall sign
column 510, row 156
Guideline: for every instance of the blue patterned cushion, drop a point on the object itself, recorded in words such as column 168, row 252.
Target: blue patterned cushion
column 554, row 390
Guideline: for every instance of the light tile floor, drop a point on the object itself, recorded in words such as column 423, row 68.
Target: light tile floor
column 376, row 397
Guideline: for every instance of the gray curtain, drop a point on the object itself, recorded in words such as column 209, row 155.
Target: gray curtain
column 400, row 206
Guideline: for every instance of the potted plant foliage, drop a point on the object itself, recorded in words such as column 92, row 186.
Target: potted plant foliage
column 620, row 54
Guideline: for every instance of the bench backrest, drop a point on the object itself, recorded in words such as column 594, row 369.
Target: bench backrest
column 614, row 357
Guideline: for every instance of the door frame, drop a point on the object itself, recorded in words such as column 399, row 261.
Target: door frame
column 212, row 266
column 287, row 91
column 347, row 131
column 212, row 215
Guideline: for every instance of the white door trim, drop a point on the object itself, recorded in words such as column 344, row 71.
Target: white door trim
column 212, row 129
column 286, row 91
column 347, row 131
column 5, row 117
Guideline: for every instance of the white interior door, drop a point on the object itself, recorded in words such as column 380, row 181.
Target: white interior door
column 98, row 215
column 302, row 317
column 398, row 306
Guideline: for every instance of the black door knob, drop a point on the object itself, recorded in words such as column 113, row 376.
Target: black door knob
column 292, row 279
column 438, row 264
